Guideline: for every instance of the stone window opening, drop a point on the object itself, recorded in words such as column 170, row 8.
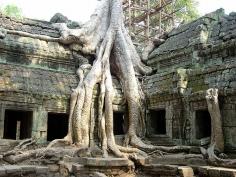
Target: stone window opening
column 202, row 124
column 57, row 126
column 17, row 124
column 158, row 122
column 118, row 123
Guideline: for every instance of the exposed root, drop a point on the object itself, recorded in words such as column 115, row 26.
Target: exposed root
column 24, row 144
column 58, row 143
column 213, row 159
column 138, row 143
column 19, row 156
column 20, row 147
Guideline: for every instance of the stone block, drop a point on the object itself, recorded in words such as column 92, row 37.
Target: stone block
column 41, row 170
column 228, row 172
column 185, row 171
column 221, row 172
column 232, row 84
column 106, row 162
column 214, row 172
column 28, row 169
column 12, row 169
column 230, row 138
column 159, row 169
column 229, row 118
column 2, row 171
column 77, row 167
column 53, row 168
column 203, row 171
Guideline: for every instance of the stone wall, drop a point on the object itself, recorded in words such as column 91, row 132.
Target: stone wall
column 195, row 57
column 37, row 75
column 29, row 25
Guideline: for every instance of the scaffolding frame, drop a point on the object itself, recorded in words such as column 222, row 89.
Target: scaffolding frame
column 147, row 19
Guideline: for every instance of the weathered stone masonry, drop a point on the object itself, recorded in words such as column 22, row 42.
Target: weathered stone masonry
column 38, row 76
column 195, row 57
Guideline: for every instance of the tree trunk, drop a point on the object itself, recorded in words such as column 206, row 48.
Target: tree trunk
column 217, row 137
column 106, row 34
column 106, row 37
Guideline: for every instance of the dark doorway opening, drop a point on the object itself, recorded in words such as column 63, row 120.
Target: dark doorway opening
column 17, row 124
column 57, row 125
column 118, row 123
column 203, row 124
column 158, row 122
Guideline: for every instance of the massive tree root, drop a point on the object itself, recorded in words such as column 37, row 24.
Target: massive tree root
column 106, row 36
column 217, row 138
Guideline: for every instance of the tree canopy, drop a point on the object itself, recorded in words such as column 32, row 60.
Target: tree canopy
column 12, row 10
column 186, row 10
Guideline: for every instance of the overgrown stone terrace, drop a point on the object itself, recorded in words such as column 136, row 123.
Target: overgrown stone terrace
column 37, row 77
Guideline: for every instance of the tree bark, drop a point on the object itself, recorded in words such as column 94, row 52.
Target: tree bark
column 106, row 34
column 217, row 137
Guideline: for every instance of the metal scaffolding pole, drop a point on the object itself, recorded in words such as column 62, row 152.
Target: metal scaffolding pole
column 145, row 18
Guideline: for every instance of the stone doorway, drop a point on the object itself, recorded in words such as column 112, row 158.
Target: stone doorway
column 158, row 122
column 17, row 124
column 118, row 123
column 202, row 124
column 57, row 125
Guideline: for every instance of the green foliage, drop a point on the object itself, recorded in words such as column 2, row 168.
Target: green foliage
column 11, row 10
column 186, row 10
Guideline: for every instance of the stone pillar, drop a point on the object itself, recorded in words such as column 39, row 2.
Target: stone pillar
column 2, row 115
column 39, row 129
column 169, row 117
column 18, row 126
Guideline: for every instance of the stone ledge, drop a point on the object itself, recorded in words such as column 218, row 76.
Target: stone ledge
column 19, row 170
column 106, row 162
column 2, row 171
column 159, row 169
column 210, row 171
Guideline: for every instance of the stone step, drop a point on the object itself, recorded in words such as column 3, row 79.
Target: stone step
column 161, row 140
column 108, row 166
column 178, row 159
column 18, row 170
column 105, row 162
column 210, row 171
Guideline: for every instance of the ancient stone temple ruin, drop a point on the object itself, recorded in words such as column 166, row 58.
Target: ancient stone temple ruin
column 37, row 76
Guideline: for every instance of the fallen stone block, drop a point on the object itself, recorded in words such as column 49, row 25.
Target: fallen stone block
column 185, row 171
column 222, row 172
column 12, row 169
column 106, row 162
column 203, row 171
column 2, row 171
column 159, row 169
column 53, row 168
column 28, row 169
column 41, row 170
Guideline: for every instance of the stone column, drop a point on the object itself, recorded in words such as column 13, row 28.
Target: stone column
column 169, row 117
column 39, row 129
column 2, row 115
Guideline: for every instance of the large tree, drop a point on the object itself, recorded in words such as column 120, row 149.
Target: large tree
column 106, row 36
